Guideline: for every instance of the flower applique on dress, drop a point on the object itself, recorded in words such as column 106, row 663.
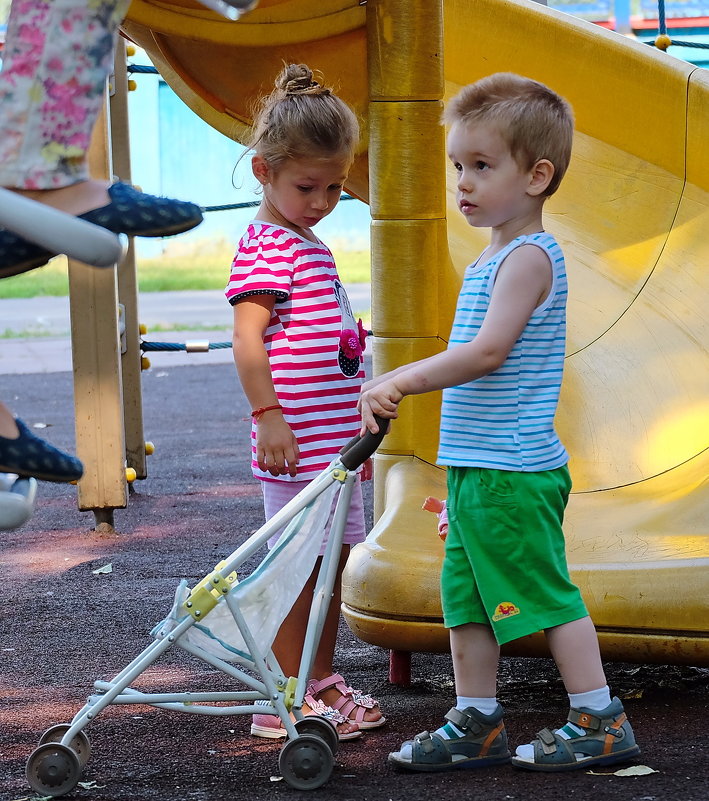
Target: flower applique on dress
column 352, row 345
column 352, row 337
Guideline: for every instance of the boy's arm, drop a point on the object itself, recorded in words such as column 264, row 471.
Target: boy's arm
column 276, row 445
column 523, row 282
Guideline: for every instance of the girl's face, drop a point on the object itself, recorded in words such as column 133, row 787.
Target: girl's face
column 302, row 191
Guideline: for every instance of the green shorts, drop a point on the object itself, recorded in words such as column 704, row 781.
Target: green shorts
column 505, row 559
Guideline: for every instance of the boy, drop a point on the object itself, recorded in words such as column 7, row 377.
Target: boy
column 504, row 573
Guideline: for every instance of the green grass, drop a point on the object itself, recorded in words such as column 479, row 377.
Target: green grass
column 179, row 268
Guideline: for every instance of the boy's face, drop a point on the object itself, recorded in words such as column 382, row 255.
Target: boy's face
column 492, row 187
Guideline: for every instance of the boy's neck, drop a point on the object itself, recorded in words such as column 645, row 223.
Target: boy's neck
column 502, row 235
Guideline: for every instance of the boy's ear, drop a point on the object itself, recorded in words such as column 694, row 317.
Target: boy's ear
column 260, row 169
column 540, row 177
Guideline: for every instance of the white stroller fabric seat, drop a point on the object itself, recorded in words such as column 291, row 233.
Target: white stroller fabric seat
column 267, row 595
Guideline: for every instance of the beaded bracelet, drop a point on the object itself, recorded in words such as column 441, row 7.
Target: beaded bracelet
column 256, row 414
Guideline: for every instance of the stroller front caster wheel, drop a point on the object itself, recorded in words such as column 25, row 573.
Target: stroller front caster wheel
column 80, row 743
column 306, row 762
column 53, row 769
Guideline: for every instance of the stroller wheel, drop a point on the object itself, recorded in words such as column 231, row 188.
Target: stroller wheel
column 53, row 769
column 306, row 762
column 80, row 743
column 320, row 727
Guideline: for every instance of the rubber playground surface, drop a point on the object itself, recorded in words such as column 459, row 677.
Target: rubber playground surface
column 64, row 626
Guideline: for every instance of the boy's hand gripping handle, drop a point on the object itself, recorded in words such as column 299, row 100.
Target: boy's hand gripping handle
column 359, row 449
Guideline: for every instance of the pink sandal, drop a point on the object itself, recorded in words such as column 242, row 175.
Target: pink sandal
column 270, row 726
column 353, row 704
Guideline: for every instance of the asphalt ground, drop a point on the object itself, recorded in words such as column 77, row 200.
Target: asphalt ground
column 63, row 626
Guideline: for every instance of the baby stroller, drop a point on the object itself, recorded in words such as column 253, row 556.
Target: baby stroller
column 230, row 624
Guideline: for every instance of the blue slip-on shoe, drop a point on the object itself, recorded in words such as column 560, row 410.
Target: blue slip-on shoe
column 129, row 212
column 137, row 214
column 17, row 255
column 32, row 457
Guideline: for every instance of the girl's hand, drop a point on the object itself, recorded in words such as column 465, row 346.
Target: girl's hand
column 277, row 449
column 383, row 400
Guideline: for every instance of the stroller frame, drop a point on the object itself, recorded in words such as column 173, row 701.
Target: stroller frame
column 307, row 757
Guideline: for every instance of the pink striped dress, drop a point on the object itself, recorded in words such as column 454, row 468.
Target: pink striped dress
column 313, row 342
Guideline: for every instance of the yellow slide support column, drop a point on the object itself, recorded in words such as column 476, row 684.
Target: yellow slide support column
column 409, row 252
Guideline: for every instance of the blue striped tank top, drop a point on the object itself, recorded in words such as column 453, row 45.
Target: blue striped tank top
column 505, row 420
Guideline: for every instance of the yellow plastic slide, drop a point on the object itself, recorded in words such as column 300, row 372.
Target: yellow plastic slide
column 633, row 217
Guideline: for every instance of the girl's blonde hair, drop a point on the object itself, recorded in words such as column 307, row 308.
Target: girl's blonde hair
column 302, row 119
column 535, row 122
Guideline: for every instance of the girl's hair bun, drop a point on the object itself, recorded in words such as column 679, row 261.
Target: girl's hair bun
column 302, row 118
column 297, row 79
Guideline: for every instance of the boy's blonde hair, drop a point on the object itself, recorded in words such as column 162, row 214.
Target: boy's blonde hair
column 535, row 122
column 302, row 119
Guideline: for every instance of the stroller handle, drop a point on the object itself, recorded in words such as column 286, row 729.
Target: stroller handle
column 359, row 449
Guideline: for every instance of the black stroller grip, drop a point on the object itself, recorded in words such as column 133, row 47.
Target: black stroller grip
column 359, row 449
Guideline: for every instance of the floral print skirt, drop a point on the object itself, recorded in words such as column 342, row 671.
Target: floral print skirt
column 57, row 56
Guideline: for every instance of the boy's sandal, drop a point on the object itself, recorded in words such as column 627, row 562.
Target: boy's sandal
column 353, row 704
column 270, row 726
column 32, row 457
column 610, row 740
column 129, row 212
column 484, row 743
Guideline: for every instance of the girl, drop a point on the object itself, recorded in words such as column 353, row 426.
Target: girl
column 298, row 350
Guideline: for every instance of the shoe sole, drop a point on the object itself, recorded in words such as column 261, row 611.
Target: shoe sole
column 25, row 267
column 461, row 764
column 368, row 725
column 54, row 479
column 176, row 229
column 270, row 733
column 609, row 759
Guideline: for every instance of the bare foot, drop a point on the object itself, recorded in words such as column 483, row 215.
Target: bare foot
column 75, row 199
column 8, row 427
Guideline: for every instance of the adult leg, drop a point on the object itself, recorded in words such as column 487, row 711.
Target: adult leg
column 57, row 56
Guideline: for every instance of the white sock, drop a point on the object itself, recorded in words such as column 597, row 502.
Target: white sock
column 594, row 699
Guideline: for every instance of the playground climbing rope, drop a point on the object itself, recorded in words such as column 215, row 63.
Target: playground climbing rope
column 664, row 40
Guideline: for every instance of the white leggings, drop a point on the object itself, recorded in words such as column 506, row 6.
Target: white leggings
column 56, row 59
